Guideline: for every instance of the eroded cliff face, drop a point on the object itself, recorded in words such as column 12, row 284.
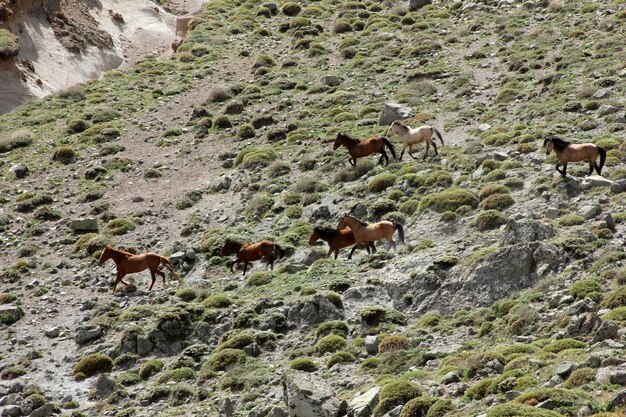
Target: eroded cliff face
column 65, row 42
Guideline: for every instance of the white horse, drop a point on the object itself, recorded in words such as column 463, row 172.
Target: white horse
column 412, row 137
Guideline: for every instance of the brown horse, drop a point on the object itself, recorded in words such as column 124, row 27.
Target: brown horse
column 371, row 232
column 250, row 252
column 568, row 152
column 127, row 263
column 359, row 149
column 337, row 239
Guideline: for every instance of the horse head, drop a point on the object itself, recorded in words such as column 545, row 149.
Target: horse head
column 230, row 246
column 106, row 254
column 315, row 236
column 338, row 141
column 549, row 145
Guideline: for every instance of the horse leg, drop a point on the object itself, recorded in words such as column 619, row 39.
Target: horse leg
column 411, row 152
column 330, row 252
column 352, row 161
column 435, row 146
column 336, row 253
column 245, row 266
column 558, row 164
column 591, row 166
column 402, row 153
column 352, row 251
column 162, row 274
column 153, row 275
column 595, row 164
column 426, row 151
column 232, row 265
column 367, row 248
column 384, row 155
column 565, row 170
column 118, row 279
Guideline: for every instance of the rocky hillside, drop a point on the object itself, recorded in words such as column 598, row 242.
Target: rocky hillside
column 508, row 298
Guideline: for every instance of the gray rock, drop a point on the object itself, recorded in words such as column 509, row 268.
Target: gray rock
column 607, row 109
column 313, row 311
column 610, row 221
column 227, row 409
column 19, row 170
column 320, row 213
column 276, row 412
column 363, row 405
column 617, row 402
column 583, row 324
column 272, row 7
column 511, row 395
column 484, row 127
column 450, row 377
column 144, row 346
column 600, row 94
column 89, row 224
column 603, row 376
column 516, row 232
column 552, row 213
column 618, row 377
column 45, row 410
column 331, row 80
column 593, row 181
column 588, row 212
column 563, row 369
column 394, row 412
column 606, row 330
column 52, row 332
column 12, row 411
column 394, row 111
column 313, row 256
column 618, row 187
column 371, row 344
column 584, row 411
column 222, row 183
column 177, row 257
column 418, row 4
column 103, row 387
column 86, row 334
column 359, row 210
column 307, row 395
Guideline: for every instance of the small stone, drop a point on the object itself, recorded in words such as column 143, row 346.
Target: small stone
column 600, row 94
column 618, row 186
column 87, row 334
column 593, row 181
column 607, row 330
column 563, row 369
column 177, row 257
column 45, row 410
column 104, row 386
column 19, row 170
column 610, row 222
column 451, row 377
column 607, row 109
column 484, row 127
column 52, row 332
column 511, row 395
column 618, row 401
column 588, row 212
column 89, row 224
column 618, row 377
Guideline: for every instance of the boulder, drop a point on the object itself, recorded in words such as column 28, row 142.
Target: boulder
column 14, row 312
column 607, row 109
column 618, row 187
column 220, row 184
column 563, row 369
column 19, row 170
column 371, row 344
column 88, row 224
column 11, row 411
column 86, row 334
column 618, row 377
column 606, row 330
column 618, row 401
column 516, row 232
column 103, row 387
column 394, row 111
column 583, row 324
column 588, row 212
column 307, row 395
column 45, row 410
column 313, row 311
column 273, row 8
column 52, row 332
column 320, row 213
column 418, row 4
column 601, row 94
column 593, row 181
column 331, row 80
column 450, row 377
column 363, row 405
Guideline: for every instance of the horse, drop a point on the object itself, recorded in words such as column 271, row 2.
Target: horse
column 127, row 263
column 371, row 232
column 567, row 152
column 359, row 149
column 336, row 239
column 412, row 137
column 250, row 252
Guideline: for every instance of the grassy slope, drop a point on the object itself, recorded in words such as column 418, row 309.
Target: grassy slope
column 515, row 69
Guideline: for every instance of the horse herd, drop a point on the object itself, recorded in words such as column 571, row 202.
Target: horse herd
column 350, row 231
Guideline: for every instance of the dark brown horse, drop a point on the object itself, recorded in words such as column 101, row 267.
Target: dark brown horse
column 250, row 252
column 567, row 152
column 127, row 263
column 337, row 239
column 359, row 149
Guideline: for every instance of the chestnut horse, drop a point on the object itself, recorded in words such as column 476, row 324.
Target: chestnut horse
column 250, row 252
column 370, row 232
column 127, row 263
column 359, row 149
column 336, row 239
column 412, row 137
column 568, row 152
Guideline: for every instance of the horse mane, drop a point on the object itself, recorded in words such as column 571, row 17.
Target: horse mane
column 326, row 232
column 358, row 220
column 346, row 136
column 120, row 251
column 559, row 144
column 402, row 125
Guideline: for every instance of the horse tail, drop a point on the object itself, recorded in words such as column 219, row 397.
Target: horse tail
column 279, row 251
column 434, row 130
column 400, row 230
column 168, row 265
column 390, row 147
column 602, row 153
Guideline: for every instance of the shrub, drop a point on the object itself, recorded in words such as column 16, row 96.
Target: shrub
column 449, row 200
column 219, row 94
column 571, row 220
column 259, row 278
column 497, row 202
column 394, row 394
column 77, row 126
column 618, row 314
column 580, row 376
column 446, row 261
column 392, row 343
column 291, row 9
column 224, row 359
column 238, row 341
column 303, row 364
column 94, row 364
column 246, row 131
column 615, row 299
column 478, row 391
column 584, row 287
column 6, row 298
column 562, row 344
column 342, row 26
column 259, row 205
column 417, row 407
column 263, row 61
column 409, row 206
column 332, row 327
column 177, row 375
column 335, row 299
column 330, row 343
column 186, row 294
column 64, row 154
column 373, row 315
column 381, row 182
column 150, row 368
column 217, row 301
column 490, row 219
column 222, row 122
column 340, row 357
column 46, row 214
column 512, row 409
column 128, row 378
column 17, row 139
column 429, row 320
column 12, row 372
column 119, row 227
column 440, row 408
column 370, row 363
column 255, row 157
